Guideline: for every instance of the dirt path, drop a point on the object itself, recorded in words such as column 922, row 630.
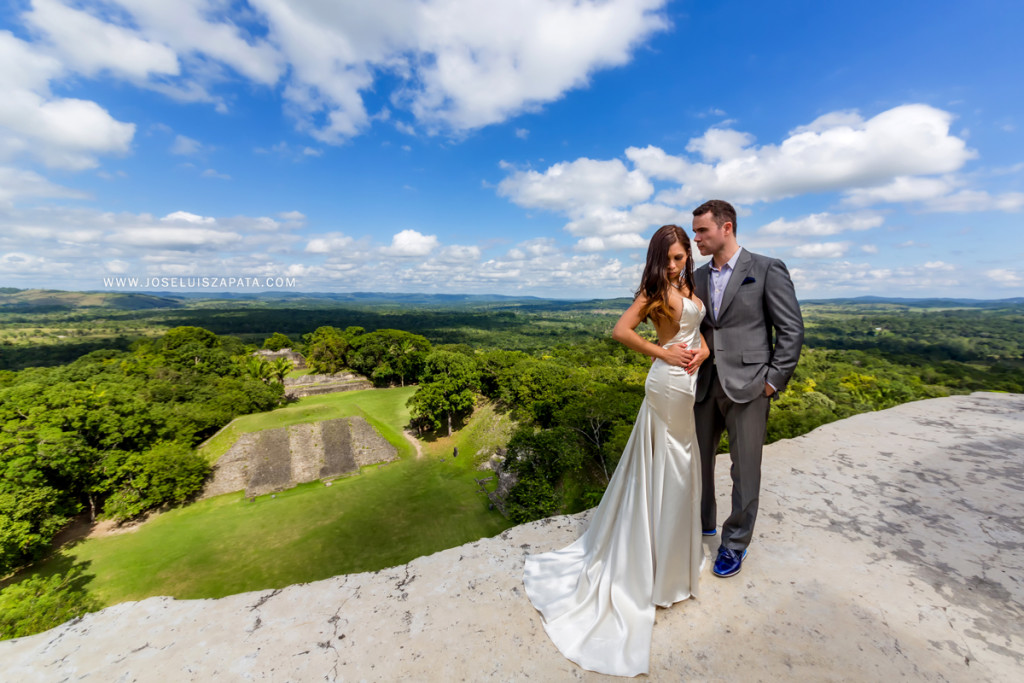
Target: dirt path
column 415, row 443
column 80, row 528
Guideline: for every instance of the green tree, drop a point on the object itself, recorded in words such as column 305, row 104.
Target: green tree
column 326, row 350
column 279, row 368
column 536, row 388
column 447, row 389
column 168, row 473
column 256, row 367
column 531, row 498
column 30, row 516
column 540, row 459
column 278, row 341
column 194, row 349
column 38, row 603
column 71, row 437
column 389, row 356
column 593, row 415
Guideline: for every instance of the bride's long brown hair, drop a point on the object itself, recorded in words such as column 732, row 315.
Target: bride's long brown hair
column 654, row 284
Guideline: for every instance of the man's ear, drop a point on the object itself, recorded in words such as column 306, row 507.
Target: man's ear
column 727, row 226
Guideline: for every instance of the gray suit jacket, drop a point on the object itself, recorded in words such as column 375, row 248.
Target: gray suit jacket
column 758, row 304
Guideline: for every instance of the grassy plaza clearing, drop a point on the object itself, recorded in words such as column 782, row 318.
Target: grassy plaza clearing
column 388, row 515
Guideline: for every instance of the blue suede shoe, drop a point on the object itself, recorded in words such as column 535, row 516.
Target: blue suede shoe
column 728, row 562
column 709, row 532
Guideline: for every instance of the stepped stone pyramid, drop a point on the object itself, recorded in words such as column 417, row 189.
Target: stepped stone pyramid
column 277, row 459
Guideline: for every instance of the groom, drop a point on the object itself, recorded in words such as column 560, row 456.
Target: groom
column 748, row 299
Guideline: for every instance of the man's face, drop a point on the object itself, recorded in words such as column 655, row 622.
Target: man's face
column 706, row 233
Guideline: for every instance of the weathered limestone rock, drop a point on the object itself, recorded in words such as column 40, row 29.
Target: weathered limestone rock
column 271, row 467
column 231, row 473
column 339, row 454
column 368, row 446
column 306, row 451
column 889, row 547
column 297, row 360
column 304, row 380
column 314, row 385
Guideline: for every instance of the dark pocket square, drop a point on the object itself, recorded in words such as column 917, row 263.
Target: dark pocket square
column 747, row 281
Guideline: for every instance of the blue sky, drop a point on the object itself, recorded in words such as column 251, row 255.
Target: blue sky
column 521, row 148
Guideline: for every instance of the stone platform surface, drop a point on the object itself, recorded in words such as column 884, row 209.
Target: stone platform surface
column 890, row 546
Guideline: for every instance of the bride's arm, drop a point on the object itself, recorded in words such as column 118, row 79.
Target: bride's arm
column 625, row 334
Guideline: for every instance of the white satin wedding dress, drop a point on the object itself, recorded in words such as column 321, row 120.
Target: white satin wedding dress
column 643, row 546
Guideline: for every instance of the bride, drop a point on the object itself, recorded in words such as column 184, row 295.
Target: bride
column 643, row 546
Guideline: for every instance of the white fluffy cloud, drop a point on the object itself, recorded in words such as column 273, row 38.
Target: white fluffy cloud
column 177, row 231
column 537, row 247
column 976, row 200
column 821, row 224
column 600, row 220
column 846, row 278
column 906, row 154
column 487, row 61
column 15, row 264
column 185, row 239
column 411, row 243
column 186, row 146
column 328, row 244
column 577, row 185
column 93, row 44
column 16, row 183
column 900, row 189
column 189, row 218
column 457, row 65
column 1005, row 277
column 82, row 248
column 61, row 132
column 591, row 193
column 455, row 253
column 461, row 64
column 621, row 241
column 836, row 152
column 822, row 250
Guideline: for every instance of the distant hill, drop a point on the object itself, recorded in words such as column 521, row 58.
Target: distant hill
column 389, row 300
column 917, row 303
column 47, row 300
column 362, row 297
column 43, row 300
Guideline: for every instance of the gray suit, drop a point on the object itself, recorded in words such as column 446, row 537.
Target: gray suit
column 758, row 304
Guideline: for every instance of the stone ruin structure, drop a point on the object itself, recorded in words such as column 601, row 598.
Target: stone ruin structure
column 298, row 361
column 313, row 385
column 277, row 459
column 506, row 480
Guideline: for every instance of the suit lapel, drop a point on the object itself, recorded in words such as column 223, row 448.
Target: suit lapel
column 742, row 266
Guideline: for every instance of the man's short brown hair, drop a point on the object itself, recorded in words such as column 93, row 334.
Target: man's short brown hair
column 721, row 212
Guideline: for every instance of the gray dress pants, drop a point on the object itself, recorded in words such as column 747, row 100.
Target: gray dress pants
column 746, row 424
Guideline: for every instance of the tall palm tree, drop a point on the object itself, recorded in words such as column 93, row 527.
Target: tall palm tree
column 279, row 368
column 257, row 367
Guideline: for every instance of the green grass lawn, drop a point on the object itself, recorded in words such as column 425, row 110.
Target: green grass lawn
column 388, row 515
column 383, row 408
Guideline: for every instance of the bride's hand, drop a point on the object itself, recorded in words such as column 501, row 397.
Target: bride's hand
column 699, row 356
column 677, row 354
